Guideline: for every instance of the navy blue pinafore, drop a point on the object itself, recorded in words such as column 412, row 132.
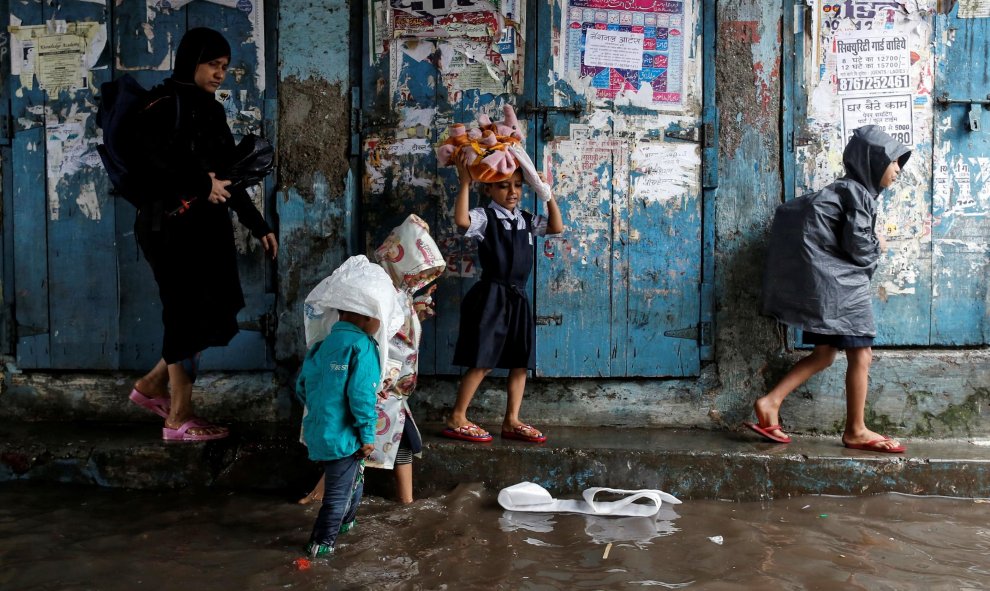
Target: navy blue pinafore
column 496, row 328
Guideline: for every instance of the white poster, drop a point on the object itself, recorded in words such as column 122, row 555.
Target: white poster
column 614, row 49
column 872, row 62
column 891, row 113
column 974, row 8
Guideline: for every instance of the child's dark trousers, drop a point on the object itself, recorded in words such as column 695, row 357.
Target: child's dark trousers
column 341, row 497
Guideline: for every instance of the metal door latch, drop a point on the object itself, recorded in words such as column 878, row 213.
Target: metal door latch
column 528, row 108
column 553, row 320
column 975, row 108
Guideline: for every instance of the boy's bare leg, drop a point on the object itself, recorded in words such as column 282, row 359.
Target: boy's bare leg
column 465, row 393
column 515, row 387
column 403, row 483
column 316, row 495
column 857, row 385
column 767, row 408
column 181, row 411
column 154, row 384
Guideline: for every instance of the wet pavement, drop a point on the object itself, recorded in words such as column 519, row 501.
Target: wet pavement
column 70, row 537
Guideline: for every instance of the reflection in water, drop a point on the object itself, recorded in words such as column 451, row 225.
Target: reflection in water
column 60, row 537
column 600, row 530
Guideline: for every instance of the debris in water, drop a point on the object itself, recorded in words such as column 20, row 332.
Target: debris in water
column 301, row 563
column 717, row 539
column 608, row 549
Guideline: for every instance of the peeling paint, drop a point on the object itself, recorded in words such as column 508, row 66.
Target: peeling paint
column 89, row 202
column 313, row 135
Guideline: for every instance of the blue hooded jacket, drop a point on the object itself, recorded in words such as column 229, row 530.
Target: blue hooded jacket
column 338, row 386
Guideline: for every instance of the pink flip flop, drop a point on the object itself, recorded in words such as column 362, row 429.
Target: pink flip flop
column 527, row 433
column 767, row 431
column 182, row 433
column 464, row 433
column 159, row 406
column 876, row 446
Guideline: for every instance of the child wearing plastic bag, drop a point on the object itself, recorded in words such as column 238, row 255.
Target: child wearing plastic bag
column 338, row 384
column 412, row 259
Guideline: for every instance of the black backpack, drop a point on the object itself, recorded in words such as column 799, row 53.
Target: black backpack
column 120, row 102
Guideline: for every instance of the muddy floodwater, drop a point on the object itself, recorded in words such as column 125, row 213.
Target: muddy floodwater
column 62, row 537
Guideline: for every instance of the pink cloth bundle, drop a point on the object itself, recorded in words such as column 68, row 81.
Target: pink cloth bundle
column 493, row 151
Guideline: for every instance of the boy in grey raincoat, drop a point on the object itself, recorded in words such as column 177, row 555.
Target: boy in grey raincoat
column 822, row 254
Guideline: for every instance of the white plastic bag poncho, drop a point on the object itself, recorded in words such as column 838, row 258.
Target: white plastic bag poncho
column 412, row 259
column 359, row 286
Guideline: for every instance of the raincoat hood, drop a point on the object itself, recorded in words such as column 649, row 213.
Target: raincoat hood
column 410, row 256
column 868, row 154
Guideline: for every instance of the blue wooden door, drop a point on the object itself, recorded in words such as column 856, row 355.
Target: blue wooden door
column 922, row 77
column 961, row 192
column 618, row 294
column 619, row 102
column 84, row 298
column 436, row 65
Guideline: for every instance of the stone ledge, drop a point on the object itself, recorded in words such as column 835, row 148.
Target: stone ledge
column 689, row 464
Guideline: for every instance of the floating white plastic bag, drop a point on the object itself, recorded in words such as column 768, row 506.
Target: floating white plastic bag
column 529, row 496
column 359, row 286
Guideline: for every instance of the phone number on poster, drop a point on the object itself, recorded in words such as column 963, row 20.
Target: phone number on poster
column 873, row 83
column 902, row 136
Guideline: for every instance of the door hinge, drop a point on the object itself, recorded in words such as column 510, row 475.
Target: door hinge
column 268, row 324
column 700, row 333
column 356, row 121
column 6, row 129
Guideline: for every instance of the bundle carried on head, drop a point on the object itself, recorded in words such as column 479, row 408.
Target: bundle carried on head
column 492, row 152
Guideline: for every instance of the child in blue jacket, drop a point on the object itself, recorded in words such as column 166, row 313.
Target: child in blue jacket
column 338, row 384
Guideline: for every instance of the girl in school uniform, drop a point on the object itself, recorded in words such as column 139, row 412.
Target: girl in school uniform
column 496, row 326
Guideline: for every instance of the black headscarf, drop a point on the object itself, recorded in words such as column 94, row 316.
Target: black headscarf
column 198, row 46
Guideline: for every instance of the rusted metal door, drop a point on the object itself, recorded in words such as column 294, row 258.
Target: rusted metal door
column 619, row 292
column 84, row 297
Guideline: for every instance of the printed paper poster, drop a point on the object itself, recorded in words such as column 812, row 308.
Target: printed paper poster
column 974, row 8
column 614, row 49
column 660, row 24
column 871, row 62
column 893, row 114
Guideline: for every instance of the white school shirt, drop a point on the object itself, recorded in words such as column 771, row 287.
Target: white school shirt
column 479, row 221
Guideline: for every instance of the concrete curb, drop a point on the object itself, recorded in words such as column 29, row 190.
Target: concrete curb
column 688, row 464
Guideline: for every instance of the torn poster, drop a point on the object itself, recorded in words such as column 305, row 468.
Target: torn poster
column 974, row 8
column 665, row 173
column 58, row 54
column 445, row 18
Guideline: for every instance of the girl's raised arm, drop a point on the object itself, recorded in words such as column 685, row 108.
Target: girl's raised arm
column 461, row 206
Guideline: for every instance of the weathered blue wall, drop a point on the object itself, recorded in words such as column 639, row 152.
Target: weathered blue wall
column 914, row 392
column 316, row 189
